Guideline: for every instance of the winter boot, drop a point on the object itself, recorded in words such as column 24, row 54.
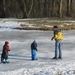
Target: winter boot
column 7, row 61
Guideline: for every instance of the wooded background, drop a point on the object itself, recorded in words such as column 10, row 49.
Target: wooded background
column 37, row 8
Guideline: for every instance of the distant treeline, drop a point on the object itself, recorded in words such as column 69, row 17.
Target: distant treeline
column 37, row 8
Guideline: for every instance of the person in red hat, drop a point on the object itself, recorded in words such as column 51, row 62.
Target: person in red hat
column 6, row 49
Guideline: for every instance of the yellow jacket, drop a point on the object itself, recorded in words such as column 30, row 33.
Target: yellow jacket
column 59, row 36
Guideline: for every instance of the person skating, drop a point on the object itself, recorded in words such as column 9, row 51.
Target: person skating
column 4, row 55
column 34, row 50
column 58, row 37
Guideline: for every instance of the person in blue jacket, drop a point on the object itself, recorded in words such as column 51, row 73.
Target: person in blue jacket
column 34, row 50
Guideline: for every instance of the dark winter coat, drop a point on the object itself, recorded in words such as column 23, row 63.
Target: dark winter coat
column 5, row 52
column 34, row 46
column 56, row 32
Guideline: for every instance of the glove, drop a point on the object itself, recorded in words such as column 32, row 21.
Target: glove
column 52, row 38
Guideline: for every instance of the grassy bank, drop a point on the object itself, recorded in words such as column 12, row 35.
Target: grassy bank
column 46, row 24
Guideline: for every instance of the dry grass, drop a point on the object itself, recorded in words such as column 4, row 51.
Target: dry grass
column 47, row 24
column 43, row 27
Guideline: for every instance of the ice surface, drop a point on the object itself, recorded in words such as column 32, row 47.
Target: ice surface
column 20, row 54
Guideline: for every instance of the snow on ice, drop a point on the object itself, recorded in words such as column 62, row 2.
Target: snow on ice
column 20, row 54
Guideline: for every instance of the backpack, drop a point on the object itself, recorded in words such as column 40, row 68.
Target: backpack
column 59, row 36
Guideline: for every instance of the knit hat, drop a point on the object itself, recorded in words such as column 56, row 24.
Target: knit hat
column 6, row 42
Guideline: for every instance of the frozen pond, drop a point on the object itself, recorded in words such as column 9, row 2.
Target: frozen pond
column 20, row 54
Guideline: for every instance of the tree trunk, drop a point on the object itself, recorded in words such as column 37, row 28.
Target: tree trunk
column 30, row 8
column 4, row 9
column 60, row 8
column 53, row 7
column 68, row 7
column 44, row 9
column 27, row 12
column 24, row 15
column 71, row 6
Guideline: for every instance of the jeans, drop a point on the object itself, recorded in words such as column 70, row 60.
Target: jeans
column 58, row 48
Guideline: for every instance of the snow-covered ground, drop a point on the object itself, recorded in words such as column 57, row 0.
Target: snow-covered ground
column 20, row 54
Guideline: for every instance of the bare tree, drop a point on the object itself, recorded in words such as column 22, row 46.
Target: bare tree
column 60, row 8
column 71, row 6
column 68, row 7
column 4, row 8
column 27, row 11
column 53, row 7
column 44, row 9
column 37, row 8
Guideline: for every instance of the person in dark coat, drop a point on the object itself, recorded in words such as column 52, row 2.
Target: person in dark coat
column 5, row 50
column 33, row 50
